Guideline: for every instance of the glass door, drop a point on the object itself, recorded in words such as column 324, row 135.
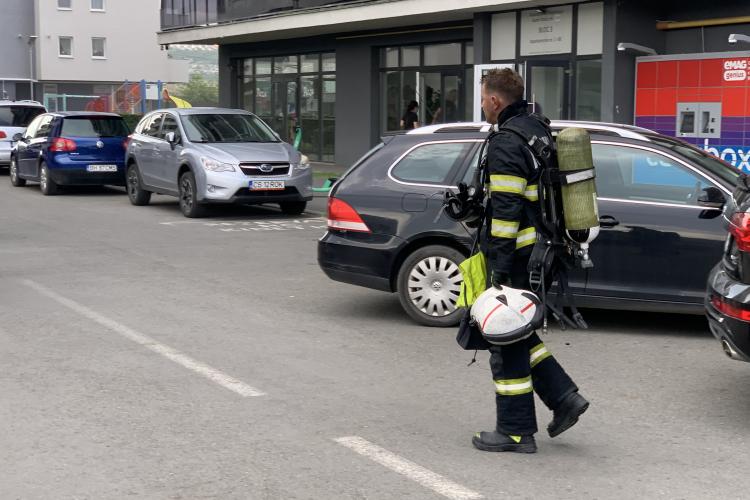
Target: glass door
column 284, row 107
column 548, row 84
column 439, row 97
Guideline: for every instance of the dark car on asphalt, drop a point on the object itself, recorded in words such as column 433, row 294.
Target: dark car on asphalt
column 70, row 148
column 728, row 294
column 660, row 204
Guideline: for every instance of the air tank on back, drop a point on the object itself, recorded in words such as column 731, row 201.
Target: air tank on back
column 580, row 208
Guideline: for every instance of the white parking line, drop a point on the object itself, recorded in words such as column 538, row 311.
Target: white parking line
column 210, row 373
column 416, row 473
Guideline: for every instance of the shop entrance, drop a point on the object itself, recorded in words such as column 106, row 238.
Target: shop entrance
column 284, row 106
column 548, row 88
column 439, row 97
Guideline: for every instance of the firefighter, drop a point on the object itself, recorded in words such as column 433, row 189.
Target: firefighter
column 513, row 221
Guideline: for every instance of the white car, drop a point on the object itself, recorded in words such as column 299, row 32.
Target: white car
column 15, row 116
column 213, row 155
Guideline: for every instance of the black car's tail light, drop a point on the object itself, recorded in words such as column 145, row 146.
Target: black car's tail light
column 730, row 308
column 342, row 217
column 739, row 228
column 61, row 144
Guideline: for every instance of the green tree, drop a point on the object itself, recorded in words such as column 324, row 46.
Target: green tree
column 199, row 92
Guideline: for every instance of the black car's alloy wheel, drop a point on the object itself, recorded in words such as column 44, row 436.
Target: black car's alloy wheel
column 188, row 196
column 137, row 195
column 14, row 178
column 429, row 283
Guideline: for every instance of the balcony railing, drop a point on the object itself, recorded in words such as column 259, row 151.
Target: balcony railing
column 187, row 13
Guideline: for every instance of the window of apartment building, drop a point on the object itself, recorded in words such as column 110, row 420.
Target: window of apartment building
column 437, row 76
column 65, row 46
column 64, row 4
column 97, row 5
column 292, row 91
column 98, row 45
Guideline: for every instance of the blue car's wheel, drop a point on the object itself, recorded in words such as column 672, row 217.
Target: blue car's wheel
column 14, row 178
column 46, row 184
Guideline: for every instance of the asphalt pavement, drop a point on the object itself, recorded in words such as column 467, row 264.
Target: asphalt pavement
column 145, row 355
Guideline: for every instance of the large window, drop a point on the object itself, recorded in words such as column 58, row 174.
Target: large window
column 636, row 174
column 435, row 76
column 589, row 90
column 434, row 163
column 296, row 95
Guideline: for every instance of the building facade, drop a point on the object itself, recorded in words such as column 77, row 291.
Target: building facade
column 80, row 53
column 346, row 70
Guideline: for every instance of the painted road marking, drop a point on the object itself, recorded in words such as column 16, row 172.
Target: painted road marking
column 416, row 473
column 316, row 223
column 170, row 353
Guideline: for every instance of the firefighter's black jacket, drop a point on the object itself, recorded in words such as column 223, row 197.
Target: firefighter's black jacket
column 514, row 213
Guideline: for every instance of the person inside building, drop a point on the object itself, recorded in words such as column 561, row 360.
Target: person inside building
column 410, row 120
column 513, row 215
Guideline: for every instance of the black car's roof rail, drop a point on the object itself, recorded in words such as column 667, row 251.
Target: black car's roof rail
column 613, row 129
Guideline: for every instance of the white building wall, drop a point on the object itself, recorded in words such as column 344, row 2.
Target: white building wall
column 132, row 51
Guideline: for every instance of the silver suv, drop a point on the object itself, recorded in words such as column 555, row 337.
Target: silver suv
column 15, row 116
column 214, row 155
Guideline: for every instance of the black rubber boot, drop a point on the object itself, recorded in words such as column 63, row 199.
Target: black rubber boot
column 566, row 415
column 494, row 441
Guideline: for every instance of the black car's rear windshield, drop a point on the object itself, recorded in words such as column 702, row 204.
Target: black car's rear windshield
column 222, row 127
column 714, row 165
column 18, row 116
column 94, row 126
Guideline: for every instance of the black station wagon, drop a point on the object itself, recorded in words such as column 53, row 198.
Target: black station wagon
column 660, row 205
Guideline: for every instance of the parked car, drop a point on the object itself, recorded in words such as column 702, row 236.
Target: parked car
column 728, row 295
column 660, row 204
column 214, row 155
column 73, row 148
column 15, row 116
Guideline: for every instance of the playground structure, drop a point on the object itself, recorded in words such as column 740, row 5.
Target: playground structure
column 129, row 98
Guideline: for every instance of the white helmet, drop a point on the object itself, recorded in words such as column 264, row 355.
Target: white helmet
column 506, row 315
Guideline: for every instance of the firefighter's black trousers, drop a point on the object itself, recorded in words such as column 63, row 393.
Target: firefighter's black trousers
column 522, row 368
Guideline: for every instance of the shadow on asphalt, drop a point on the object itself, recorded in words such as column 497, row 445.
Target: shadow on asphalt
column 386, row 309
column 170, row 206
column 647, row 323
column 92, row 191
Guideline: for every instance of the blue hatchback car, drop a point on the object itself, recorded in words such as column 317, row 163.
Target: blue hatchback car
column 70, row 148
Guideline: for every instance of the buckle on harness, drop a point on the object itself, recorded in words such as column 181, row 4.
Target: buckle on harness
column 535, row 279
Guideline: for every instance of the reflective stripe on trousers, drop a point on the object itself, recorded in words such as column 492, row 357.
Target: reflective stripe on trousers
column 538, row 354
column 514, row 387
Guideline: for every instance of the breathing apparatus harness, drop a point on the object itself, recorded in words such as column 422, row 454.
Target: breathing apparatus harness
column 554, row 253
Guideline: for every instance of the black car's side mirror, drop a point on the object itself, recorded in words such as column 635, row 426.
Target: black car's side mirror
column 18, row 137
column 712, row 197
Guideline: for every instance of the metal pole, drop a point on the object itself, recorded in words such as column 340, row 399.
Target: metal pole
column 31, row 70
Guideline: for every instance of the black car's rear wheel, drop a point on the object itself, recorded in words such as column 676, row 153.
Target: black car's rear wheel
column 14, row 178
column 429, row 283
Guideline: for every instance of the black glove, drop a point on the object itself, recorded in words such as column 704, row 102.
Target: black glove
column 500, row 279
